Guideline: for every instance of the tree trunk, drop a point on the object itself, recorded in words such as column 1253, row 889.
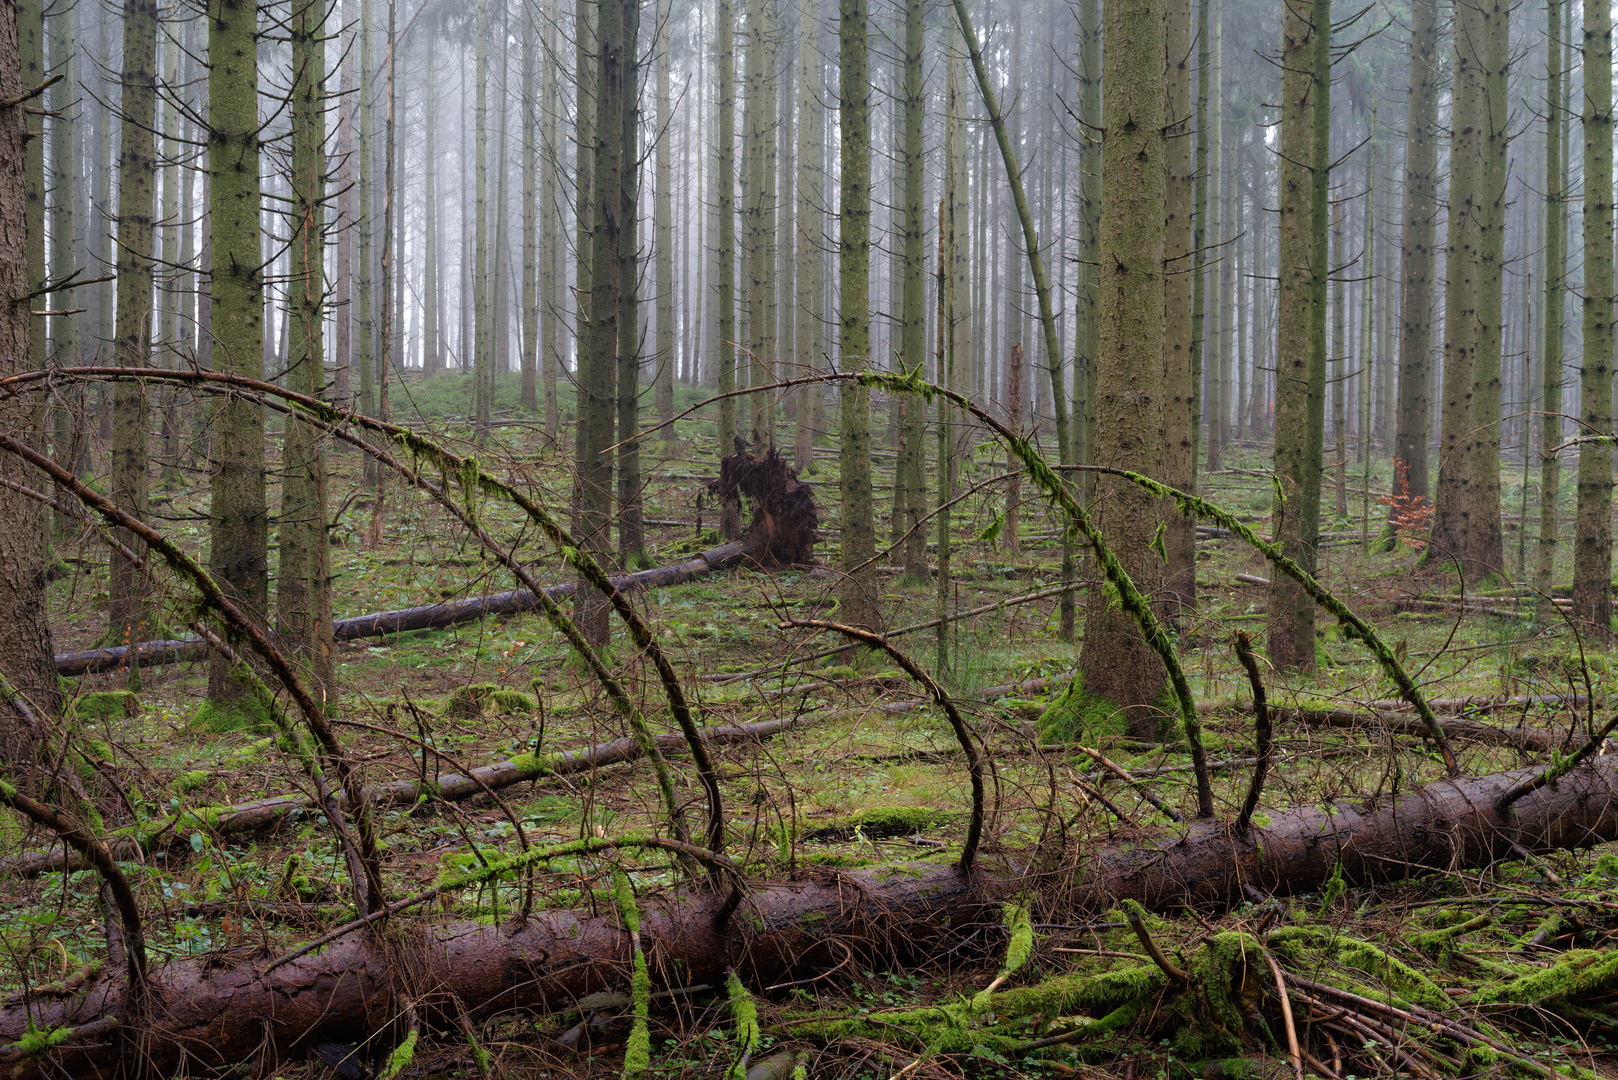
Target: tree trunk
column 127, row 606
column 1115, row 660
column 859, row 591
column 222, row 1015
column 1300, row 358
column 532, row 146
column 631, row 532
column 663, row 361
column 482, row 335
column 1411, row 484
column 811, row 234
column 724, row 291
column 238, row 514
column 1178, row 462
column 759, row 213
column 27, row 641
column 1592, row 539
column 1550, row 470
column 552, row 280
column 303, row 577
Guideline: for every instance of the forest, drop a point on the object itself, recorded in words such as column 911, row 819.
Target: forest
column 798, row 539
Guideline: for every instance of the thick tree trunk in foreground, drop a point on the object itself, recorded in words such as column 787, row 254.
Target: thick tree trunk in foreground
column 227, row 1014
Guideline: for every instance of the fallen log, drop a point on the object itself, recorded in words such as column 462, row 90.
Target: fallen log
column 229, row 1009
column 1522, row 737
column 424, row 617
column 450, row 787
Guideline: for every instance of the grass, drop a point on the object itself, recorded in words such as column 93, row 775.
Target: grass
column 818, row 780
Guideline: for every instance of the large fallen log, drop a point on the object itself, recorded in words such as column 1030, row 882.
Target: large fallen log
column 227, row 1009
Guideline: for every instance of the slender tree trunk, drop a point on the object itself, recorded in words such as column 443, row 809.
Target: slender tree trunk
column 531, row 148
column 1088, row 334
column 432, row 356
column 725, row 245
column 127, row 608
column 1592, row 539
column 1215, row 348
column 303, row 597
column 631, row 531
column 664, row 212
column 67, row 433
column 482, row 336
column 552, row 280
column 1339, row 386
column 1115, row 660
column 1301, row 355
column 1180, row 403
column 365, row 226
column 238, row 514
column 914, row 341
column 759, row 213
column 342, row 283
column 1411, row 484
column 1550, row 471
column 858, row 596
column 811, row 234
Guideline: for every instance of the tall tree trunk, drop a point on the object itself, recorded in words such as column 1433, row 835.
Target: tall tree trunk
column 1087, row 336
column 365, row 227
column 238, row 516
column 858, row 594
column 1338, row 361
column 1592, row 539
column 67, row 250
column 482, row 336
column 913, row 347
column 663, row 361
column 724, row 292
column 26, row 652
column 759, row 212
column 1180, row 401
column 127, row 609
column 631, row 530
column 303, row 591
column 1452, row 501
column 598, row 355
column 552, row 279
column 1215, row 348
column 1115, row 660
column 1300, row 348
column 811, row 234
column 532, row 145
column 1556, row 156
column 1411, row 483
column 432, row 356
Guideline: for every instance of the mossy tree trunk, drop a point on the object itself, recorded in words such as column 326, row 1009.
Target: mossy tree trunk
column 1592, row 539
column 759, row 213
column 238, row 513
column 858, row 594
column 914, row 340
column 663, row 362
column 1300, row 352
column 552, row 282
column 1116, row 662
column 531, row 146
column 724, row 201
column 631, row 531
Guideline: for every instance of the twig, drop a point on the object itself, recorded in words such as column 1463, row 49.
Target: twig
column 963, row 734
column 1286, row 1003
column 1261, row 726
column 1124, row 774
column 1132, row 912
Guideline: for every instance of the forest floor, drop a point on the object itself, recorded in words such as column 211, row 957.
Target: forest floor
column 876, row 778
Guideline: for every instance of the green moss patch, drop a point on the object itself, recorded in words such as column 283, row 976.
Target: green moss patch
column 486, row 699
column 880, row 822
column 218, row 717
column 105, row 706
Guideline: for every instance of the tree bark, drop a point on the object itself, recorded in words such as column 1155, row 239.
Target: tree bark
column 27, row 641
column 1115, row 660
column 1178, row 464
column 1592, row 539
column 1556, row 156
column 222, row 1015
column 811, row 234
column 1411, row 484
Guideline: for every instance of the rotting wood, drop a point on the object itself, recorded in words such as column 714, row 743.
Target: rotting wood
column 224, row 1011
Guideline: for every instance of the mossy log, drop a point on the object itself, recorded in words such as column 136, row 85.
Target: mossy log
column 226, row 1010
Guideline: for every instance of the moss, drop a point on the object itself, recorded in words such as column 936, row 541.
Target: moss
column 486, row 699
column 536, row 765
column 35, row 1041
column 400, row 1059
column 1076, row 716
column 878, row 822
column 1580, row 971
column 218, row 717
column 105, row 706
column 744, row 1011
column 1332, row 949
column 190, row 781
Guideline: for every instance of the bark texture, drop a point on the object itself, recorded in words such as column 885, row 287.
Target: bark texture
column 223, row 1014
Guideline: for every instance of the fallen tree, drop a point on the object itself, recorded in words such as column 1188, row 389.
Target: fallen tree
column 227, row 1009
column 783, row 532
